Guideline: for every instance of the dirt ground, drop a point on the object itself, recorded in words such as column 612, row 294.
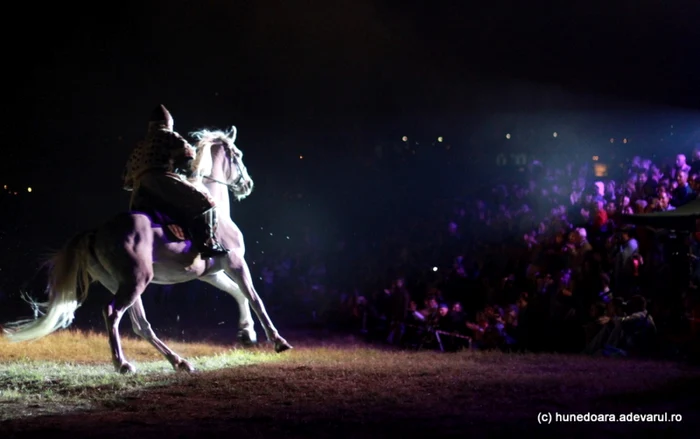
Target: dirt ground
column 210, row 407
column 433, row 394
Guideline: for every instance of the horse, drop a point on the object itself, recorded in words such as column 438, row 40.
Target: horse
column 142, row 246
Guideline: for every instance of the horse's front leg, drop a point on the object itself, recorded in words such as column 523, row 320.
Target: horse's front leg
column 246, row 326
column 238, row 271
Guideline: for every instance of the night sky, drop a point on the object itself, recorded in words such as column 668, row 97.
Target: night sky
column 311, row 77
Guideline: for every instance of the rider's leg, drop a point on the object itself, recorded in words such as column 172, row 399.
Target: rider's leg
column 188, row 204
column 203, row 231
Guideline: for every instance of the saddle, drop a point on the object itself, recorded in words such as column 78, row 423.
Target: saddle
column 161, row 216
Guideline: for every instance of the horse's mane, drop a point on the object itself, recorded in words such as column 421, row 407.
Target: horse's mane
column 205, row 139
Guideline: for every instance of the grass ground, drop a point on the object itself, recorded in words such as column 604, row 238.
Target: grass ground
column 64, row 386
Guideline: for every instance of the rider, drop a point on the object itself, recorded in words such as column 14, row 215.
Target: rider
column 157, row 166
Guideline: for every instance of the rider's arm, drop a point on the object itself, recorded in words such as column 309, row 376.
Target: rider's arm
column 183, row 153
column 179, row 145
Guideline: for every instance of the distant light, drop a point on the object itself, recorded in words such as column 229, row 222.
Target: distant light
column 301, row 157
column 434, row 268
column 440, row 139
column 287, row 237
column 270, row 233
column 612, row 140
column 4, row 187
column 29, row 189
column 404, row 138
column 600, row 170
column 624, row 140
column 595, row 158
column 555, row 134
column 508, row 136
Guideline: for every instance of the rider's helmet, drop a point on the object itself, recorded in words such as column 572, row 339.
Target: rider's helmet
column 160, row 119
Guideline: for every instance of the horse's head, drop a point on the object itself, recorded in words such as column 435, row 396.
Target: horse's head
column 219, row 160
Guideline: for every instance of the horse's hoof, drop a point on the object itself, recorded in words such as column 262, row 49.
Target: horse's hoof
column 126, row 368
column 245, row 339
column 184, row 366
column 281, row 345
column 247, row 343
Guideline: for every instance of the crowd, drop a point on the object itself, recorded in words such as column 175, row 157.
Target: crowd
column 547, row 264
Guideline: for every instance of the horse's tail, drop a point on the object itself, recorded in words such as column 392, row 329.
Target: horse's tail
column 67, row 287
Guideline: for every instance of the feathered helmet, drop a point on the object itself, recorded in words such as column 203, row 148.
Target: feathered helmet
column 160, row 116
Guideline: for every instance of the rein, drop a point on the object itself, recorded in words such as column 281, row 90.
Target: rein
column 232, row 186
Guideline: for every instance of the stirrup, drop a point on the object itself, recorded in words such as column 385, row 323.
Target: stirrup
column 216, row 249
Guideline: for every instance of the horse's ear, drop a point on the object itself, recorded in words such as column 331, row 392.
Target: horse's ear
column 234, row 133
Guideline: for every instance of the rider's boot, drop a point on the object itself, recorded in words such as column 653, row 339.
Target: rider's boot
column 204, row 235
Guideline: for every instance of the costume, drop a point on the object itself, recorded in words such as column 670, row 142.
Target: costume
column 156, row 170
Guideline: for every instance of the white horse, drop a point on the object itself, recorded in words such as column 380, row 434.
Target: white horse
column 131, row 250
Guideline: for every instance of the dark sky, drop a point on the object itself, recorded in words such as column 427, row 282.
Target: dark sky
column 313, row 75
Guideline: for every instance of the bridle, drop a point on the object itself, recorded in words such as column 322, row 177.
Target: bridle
column 232, row 163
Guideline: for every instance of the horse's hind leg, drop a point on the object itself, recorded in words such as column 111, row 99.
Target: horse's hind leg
column 143, row 329
column 127, row 293
column 123, row 259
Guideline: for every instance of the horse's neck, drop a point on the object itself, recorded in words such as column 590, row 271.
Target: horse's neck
column 219, row 192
